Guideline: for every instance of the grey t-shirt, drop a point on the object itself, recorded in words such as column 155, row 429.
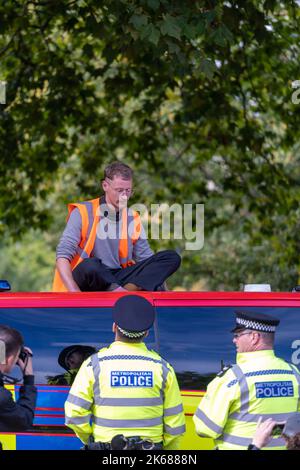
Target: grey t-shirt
column 106, row 247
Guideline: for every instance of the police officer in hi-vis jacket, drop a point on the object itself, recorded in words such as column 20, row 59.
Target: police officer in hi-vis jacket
column 127, row 389
column 259, row 385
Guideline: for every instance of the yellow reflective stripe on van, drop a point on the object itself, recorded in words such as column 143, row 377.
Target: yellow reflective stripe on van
column 8, row 441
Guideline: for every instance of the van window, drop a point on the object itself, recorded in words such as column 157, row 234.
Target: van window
column 197, row 340
column 47, row 331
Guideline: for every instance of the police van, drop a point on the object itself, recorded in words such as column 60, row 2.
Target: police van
column 191, row 331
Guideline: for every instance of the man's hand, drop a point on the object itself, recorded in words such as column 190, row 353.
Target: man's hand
column 263, row 433
column 26, row 366
column 65, row 271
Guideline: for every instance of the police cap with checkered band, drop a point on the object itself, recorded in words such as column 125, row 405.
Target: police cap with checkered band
column 255, row 321
column 133, row 315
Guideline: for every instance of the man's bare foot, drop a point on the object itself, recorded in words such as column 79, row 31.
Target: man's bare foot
column 132, row 287
column 119, row 289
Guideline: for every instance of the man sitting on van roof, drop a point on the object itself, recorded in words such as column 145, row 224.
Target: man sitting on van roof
column 104, row 245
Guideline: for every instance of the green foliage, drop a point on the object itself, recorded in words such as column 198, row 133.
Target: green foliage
column 29, row 264
column 196, row 96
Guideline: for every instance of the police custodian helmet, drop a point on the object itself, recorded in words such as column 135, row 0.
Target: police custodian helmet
column 133, row 315
column 255, row 321
column 64, row 355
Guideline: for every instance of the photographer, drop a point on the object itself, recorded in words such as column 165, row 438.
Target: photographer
column 15, row 416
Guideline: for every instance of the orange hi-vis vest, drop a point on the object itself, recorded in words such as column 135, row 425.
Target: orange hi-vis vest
column 90, row 217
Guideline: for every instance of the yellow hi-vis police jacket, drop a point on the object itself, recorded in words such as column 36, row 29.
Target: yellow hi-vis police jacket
column 126, row 389
column 259, row 385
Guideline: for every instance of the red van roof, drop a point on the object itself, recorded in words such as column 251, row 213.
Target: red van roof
column 172, row 298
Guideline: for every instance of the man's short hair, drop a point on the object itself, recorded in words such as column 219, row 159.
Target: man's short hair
column 118, row 169
column 12, row 339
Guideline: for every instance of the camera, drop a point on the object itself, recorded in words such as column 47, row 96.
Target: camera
column 24, row 355
column 277, row 430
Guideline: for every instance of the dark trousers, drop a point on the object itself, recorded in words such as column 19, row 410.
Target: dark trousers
column 91, row 275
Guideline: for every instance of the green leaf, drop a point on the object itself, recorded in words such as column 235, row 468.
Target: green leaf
column 269, row 5
column 139, row 21
column 170, row 27
column 222, row 36
column 154, row 4
column 151, row 33
column 200, row 28
column 189, row 31
column 209, row 17
column 208, row 67
column 154, row 35
column 173, row 47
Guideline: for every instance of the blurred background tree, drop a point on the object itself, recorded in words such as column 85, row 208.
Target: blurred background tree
column 195, row 96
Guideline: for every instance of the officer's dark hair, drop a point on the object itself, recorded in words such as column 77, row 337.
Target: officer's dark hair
column 118, row 169
column 12, row 339
column 126, row 339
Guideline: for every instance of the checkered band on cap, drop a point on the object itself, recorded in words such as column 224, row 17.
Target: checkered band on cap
column 255, row 325
column 131, row 334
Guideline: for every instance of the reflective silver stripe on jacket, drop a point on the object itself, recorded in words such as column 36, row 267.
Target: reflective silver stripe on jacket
column 96, row 371
column 165, row 371
column 126, row 357
column 86, row 405
column 155, row 401
column 174, row 410
column 89, row 208
column 78, row 420
column 245, row 441
column 208, row 422
column 244, row 391
column 253, row 418
column 174, row 431
column 127, row 423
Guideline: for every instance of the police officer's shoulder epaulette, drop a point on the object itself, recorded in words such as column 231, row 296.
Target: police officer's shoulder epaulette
column 223, row 371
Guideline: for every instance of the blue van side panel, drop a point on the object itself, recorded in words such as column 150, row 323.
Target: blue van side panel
column 49, row 396
column 38, row 442
column 197, row 341
column 47, row 331
column 50, row 405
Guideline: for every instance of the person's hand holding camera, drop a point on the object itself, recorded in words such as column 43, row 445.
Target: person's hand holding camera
column 265, row 430
column 25, row 361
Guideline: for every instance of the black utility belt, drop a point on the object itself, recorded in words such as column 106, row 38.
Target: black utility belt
column 121, row 442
